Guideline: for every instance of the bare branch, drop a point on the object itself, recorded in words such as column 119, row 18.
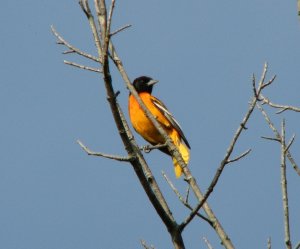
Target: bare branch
column 62, row 41
column 86, row 9
column 209, row 246
column 145, row 246
column 298, row 245
column 184, row 202
column 269, row 82
column 254, row 86
column 282, row 107
column 114, row 157
column 271, row 138
column 69, row 52
column 110, row 14
column 278, row 136
column 290, row 143
column 263, row 77
column 269, row 245
column 240, row 156
column 82, row 66
column 187, row 194
column 286, row 216
column 224, row 162
column 84, row 4
column 120, row 29
column 100, row 7
column 140, row 166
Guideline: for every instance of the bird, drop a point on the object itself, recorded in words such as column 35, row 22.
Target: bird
column 144, row 127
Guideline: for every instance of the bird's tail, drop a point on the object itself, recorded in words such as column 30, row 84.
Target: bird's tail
column 185, row 154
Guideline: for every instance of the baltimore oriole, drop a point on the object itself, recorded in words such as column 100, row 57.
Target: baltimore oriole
column 143, row 85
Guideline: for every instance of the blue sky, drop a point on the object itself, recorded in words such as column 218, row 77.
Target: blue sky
column 52, row 195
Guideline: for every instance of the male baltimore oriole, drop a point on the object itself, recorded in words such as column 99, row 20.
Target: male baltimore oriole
column 143, row 85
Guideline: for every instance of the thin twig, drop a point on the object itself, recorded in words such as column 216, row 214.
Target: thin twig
column 187, row 194
column 110, row 14
column 277, row 106
column 145, row 246
column 114, row 157
column 298, row 245
column 69, row 52
column 269, row 243
column 290, row 143
column 209, row 246
column 86, row 9
column 239, row 157
column 82, row 66
column 286, row 216
column 184, row 202
column 279, row 140
column 271, row 138
column 278, row 136
column 100, row 7
column 120, row 30
column 71, row 47
column 268, row 83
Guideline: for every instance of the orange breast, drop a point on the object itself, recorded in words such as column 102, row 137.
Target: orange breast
column 141, row 123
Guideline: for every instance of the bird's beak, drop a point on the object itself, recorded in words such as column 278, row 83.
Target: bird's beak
column 152, row 82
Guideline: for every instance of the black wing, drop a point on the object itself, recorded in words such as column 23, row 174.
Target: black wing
column 170, row 118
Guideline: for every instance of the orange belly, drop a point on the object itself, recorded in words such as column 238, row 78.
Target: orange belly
column 141, row 123
column 147, row 130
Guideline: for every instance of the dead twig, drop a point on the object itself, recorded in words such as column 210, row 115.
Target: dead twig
column 96, row 70
column 278, row 137
column 298, row 245
column 120, row 29
column 286, row 216
column 62, row 41
column 182, row 200
column 269, row 243
column 239, row 157
column 209, row 246
column 145, row 246
column 114, row 157
column 277, row 106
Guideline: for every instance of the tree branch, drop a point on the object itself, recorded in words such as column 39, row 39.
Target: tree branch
column 120, row 29
column 96, row 70
column 282, row 107
column 209, row 246
column 278, row 137
column 225, row 161
column 140, row 166
column 286, row 216
column 84, row 4
column 269, row 243
column 182, row 200
column 298, row 245
column 145, row 246
column 114, row 157
column 239, row 157
column 62, row 41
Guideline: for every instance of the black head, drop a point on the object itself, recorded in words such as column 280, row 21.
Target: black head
column 144, row 84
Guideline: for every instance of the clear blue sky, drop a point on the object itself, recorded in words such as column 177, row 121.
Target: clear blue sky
column 52, row 195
